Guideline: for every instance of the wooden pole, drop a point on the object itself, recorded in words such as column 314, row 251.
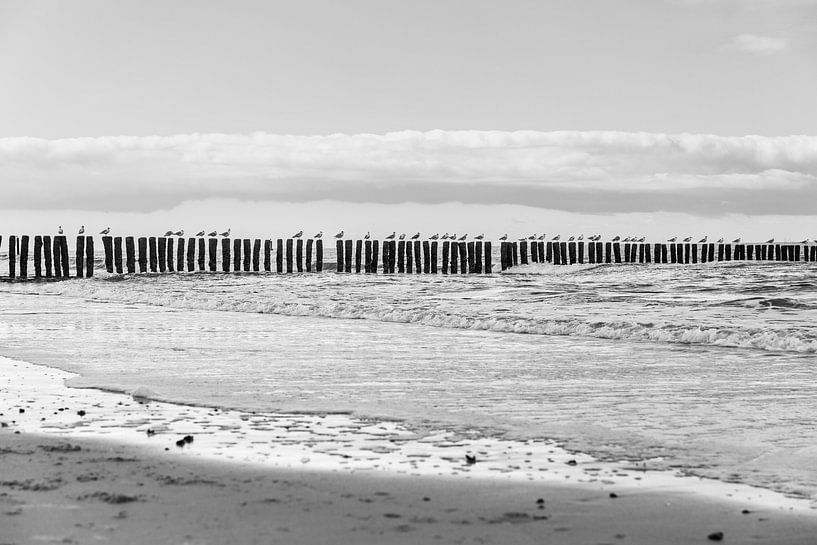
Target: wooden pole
column 201, row 254
column 247, row 253
column 107, row 245
column 534, row 252
column 319, row 256
column 386, row 254
column 693, row 252
column 455, row 248
column 24, row 256
column 549, row 258
column 237, row 255
column 13, row 256
column 153, row 255
column 38, row 256
column 647, row 256
column 571, row 250
column 358, row 255
column 225, row 255
column 66, row 266
column 256, row 255
column 375, row 253
column 267, row 255
column 432, row 258
column 339, row 255
column 673, row 256
column 626, row 258
column 515, row 250
column 47, row 251
column 212, row 250
column 641, row 253
column 720, row 252
column 348, row 255
column 163, row 254
column 279, row 255
column 367, row 262
column 170, row 255
column 463, row 257
column 488, row 265
column 180, row 255
column 191, row 254
column 89, row 256
column 446, row 253
column 299, row 255
column 130, row 255
column 472, row 259
column 580, row 247
column 409, row 261
column 478, row 247
column 617, row 251
column 418, row 259
column 557, row 255
column 79, row 256
column 427, row 257
column 523, row 254
column 727, row 252
column 309, row 244
column 289, row 255
column 392, row 255
column 142, row 244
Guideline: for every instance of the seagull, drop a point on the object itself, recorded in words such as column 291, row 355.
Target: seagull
column 226, row 233
column 673, row 239
column 81, row 230
column 504, row 237
column 541, row 237
column 339, row 235
column 616, row 238
column 804, row 241
column 445, row 236
column 211, row 233
column 453, row 236
column 402, row 236
column 107, row 230
column 392, row 235
column 463, row 237
column 59, row 231
column 435, row 236
column 581, row 237
column 367, row 236
column 770, row 241
column 571, row 239
column 557, row 237
column 532, row 237
column 319, row 235
column 416, row 236
column 626, row 239
column 480, row 237
column 720, row 240
column 642, row 239
column 736, row 241
column 200, row 233
column 179, row 233
column 299, row 234
column 703, row 239
column 688, row 239
column 169, row 233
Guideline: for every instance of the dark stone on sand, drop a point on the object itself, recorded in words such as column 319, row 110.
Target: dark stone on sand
column 22, row 411
column 745, row 512
column 715, row 536
column 61, row 448
column 81, row 413
column 572, row 462
column 426, row 498
column 188, row 438
column 540, row 501
column 613, row 495
column 107, row 497
column 180, row 443
column 470, row 459
column 150, row 432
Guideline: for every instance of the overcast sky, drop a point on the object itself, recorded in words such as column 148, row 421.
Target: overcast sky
column 580, row 106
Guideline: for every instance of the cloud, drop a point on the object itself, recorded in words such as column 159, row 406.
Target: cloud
column 593, row 172
column 755, row 45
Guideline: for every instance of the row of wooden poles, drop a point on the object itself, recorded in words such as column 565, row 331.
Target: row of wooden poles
column 169, row 254
column 569, row 253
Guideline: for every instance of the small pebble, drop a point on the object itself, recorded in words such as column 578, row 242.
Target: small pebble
column 613, row 495
column 715, row 536
column 81, row 413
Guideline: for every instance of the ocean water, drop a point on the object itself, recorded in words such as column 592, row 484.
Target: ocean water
column 706, row 368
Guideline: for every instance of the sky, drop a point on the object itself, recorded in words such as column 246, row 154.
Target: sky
column 497, row 116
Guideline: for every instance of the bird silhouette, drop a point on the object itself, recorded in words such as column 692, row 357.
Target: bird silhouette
column 179, row 233
column 59, row 231
column 105, row 231
column 212, row 234
column 445, row 236
column 616, row 238
column 480, row 236
column 504, row 237
column 402, row 236
column 736, row 241
column 339, row 235
column 581, row 237
column 804, row 241
column 541, row 237
column 226, row 233
column 673, row 239
column 720, row 240
column 81, row 230
column 299, row 234
column 463, row 237
column 367, row 236
column 200, row 233
column 703, row 239
column 688, row 239
column 169, row 233
column 392, row 235
column 319, row 235
column 557, row 237
column 532, row 237
column 435, row 236
column 770, row 241
column 642, row 239
column 571, row 239
column 416, row 236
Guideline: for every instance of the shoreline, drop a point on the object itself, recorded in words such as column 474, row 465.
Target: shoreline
column 63, row 431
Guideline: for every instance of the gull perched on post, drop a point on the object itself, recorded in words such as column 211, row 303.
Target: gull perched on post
column 504, row 237
column 211, row 233
column 200, row 233
column 81, row 230
column 105, row 231
column 392, row 235
column 339, row 235
column 167, row 234
column 59, row 231
column 299, row 234
column 416, row 236
column 319, row 235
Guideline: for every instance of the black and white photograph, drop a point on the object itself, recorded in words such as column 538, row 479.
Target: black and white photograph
column 402, row 272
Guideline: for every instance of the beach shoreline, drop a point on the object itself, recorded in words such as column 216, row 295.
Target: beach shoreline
column 101, row 466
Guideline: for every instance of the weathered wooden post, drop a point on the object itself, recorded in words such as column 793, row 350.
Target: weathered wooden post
column 727, row 252
column 142, row 243
column 515, row 250
column 47, row 253
column 541, row 252
column 478, row 256
column 348, row 255
column 488, row 266
column 169, row 254
column 89, row 256
column 446, row 254
column 503, row 256
column 267, row 255
column 720, row 252
column 581, row 252
column 225, row 255
column 201, row 254
column 237, row 255
column 750, row 249
column 523, row 254
column 626, row 253
column 797, row 253
column 386, row 254
column 339, row 255
column 24, row 256
column 130, row 255
column 13, row 256
column 694, row 252
column 549, row 252
column 191, row 254
column 571, row 250
column 471, row 249
column 673, row 257
column 454, row 257
column 79, row 256
column 309, row 244
column 418, row 259
column 289, row 255
column 463, row 251
column 279, row 255
column 534, row 252
column 557, row 255
column 641, row 253
column 392, row 255
column 212, row 250
column 246, row 253
column 358, row 255
column 256, row 255
column 664, row 254
column 375, row 254
column 66, row 266
column 633, row 257
column 319, row 256
column 367, row 261
column 409, row 260
column 427, row 257
column 299, row 255
column 647, row 256
column 38, row 256
column 153, row 255
column 180, row 255
column 617, row 251
column 162, row 248
column 107, row 245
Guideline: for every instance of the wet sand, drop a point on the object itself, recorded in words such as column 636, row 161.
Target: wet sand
column 83, row 466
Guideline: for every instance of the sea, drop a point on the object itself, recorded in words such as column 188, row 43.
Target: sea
column 707, row 369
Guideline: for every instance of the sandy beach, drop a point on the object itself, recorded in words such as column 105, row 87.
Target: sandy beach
column 85, row 466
